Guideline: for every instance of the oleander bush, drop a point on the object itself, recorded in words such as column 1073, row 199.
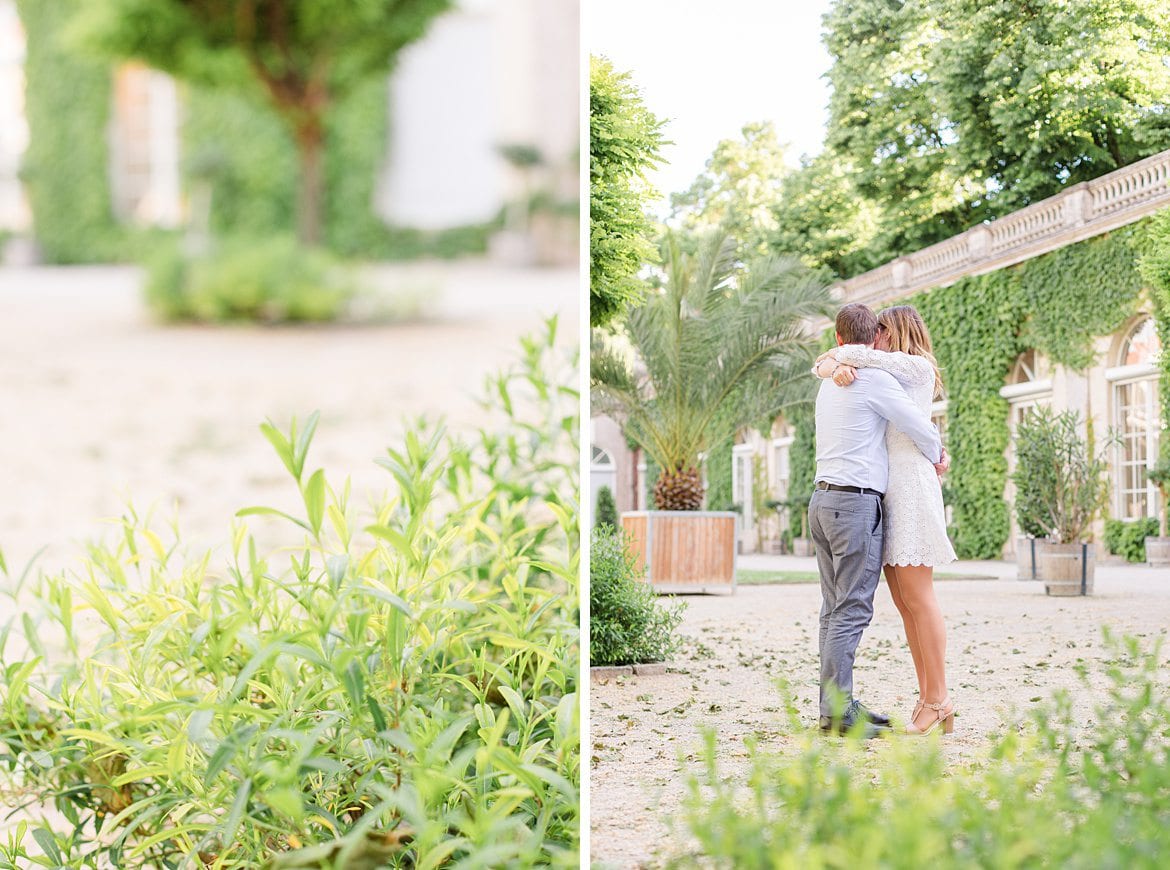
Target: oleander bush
column 1058, row 792
column 396, row 689
column 1128, row 539
column 627, row 622
column 270, row 280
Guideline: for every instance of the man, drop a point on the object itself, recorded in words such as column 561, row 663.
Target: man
column 845, row 513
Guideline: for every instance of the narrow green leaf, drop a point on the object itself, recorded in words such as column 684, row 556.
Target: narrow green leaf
column 314, row 495
column 267, row 511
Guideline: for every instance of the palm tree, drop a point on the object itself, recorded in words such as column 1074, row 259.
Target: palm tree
column 720, row 345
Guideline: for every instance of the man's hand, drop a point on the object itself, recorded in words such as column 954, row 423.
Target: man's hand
column 943, row 465
column 844, row 375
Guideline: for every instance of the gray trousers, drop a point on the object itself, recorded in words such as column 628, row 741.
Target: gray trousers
column 847, row 530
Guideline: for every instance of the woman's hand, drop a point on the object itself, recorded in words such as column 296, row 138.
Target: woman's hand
column 829, row 354
column 844, row 375
column 944, row 463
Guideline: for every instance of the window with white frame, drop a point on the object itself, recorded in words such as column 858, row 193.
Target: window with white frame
column 1136, row 418
column 741, row 481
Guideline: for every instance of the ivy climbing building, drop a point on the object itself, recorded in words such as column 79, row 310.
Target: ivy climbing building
column 1044, row 306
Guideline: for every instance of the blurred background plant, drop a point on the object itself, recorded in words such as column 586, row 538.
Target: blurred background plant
column 627, row 623
column 397, row 689
column 144, row 119
column 1061, row 790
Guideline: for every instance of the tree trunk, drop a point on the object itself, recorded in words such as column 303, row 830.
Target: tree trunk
column 310, row 137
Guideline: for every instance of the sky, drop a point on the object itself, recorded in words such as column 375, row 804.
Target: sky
column 709, row 68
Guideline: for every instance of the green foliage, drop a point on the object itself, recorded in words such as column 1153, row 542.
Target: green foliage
column 802, row 466
column 245, row 159
column 718, row 468
column 66, row 167
column 1128, row 539
column 1061, row 485
column 1154, row 266
column 606, row 514
column 271, row 280
column 627, row 624
column 300, row 57
column 741, row 183
column 400, row 692
column 1054, row 794
column 624, row 141
column 945, row 113
column 724, row 345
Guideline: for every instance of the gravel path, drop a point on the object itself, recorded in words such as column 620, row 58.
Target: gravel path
column 102, row 406
column 1009, row 646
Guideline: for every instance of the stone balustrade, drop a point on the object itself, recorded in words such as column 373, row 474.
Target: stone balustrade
column 1076, row 213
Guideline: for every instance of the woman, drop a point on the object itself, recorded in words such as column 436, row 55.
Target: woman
column 915, row 534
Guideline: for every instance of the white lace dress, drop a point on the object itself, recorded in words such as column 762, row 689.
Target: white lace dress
column 915, row 524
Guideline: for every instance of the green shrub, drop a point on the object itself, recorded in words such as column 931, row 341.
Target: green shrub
column 395, row 690
column 1128, row 539
column 606, row 509
column 627, row 624
column 1060, row 484
column 1054, row 794
column 271, row 280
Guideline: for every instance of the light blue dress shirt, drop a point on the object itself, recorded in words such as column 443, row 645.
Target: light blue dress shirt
column 851, row 429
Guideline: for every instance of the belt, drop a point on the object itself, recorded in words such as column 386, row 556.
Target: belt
column 859, row 490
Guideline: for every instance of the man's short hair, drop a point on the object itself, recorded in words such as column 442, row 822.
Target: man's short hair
column 856, row 324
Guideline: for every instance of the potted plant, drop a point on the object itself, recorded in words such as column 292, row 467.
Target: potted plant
column 1158, row 549
column 1051, row 451
column 720, row 345
column 802, row 544
column 1033, row 478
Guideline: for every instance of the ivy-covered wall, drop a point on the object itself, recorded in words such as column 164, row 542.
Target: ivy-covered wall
column 1057, row 303
column 65, row 169
column 719, row 470
column 230, row 141
column 235, row 143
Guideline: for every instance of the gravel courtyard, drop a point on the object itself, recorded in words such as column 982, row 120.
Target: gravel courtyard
column 104, row 406
column 1009, row 646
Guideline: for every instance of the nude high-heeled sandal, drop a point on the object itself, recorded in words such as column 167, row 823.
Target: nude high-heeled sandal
column 944, row 713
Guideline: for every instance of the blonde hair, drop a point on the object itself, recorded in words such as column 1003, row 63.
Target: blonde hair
column 906, row 332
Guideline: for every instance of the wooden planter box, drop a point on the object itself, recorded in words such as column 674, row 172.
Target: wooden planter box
column 1066, row 569
column 1158, row 552
column 685, row 551
column 1027, row 556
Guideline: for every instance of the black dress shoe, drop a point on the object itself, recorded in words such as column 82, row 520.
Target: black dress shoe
column 870, row 716
column 857, row 716
column 850, row 722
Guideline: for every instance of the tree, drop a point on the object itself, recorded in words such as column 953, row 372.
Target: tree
column 1043, row 94
column 625, row 139
column 741, row 183
column 821, row 217
column 606, row 511
column 301, row 56
column 950, row 112
column 722, row 345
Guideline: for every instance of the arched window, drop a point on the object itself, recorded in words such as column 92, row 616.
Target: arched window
column 1136, row 418
column 600, row 459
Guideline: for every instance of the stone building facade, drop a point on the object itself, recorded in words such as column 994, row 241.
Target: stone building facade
column 1118, row 392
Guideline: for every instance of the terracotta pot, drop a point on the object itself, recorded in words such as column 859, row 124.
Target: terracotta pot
column 1158, row 552
column 1066, row 569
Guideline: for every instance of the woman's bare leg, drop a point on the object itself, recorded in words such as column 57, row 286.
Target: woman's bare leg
column 907, row 623
column 916, row 587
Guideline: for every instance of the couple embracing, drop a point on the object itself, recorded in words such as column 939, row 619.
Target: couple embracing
column 877, row 505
